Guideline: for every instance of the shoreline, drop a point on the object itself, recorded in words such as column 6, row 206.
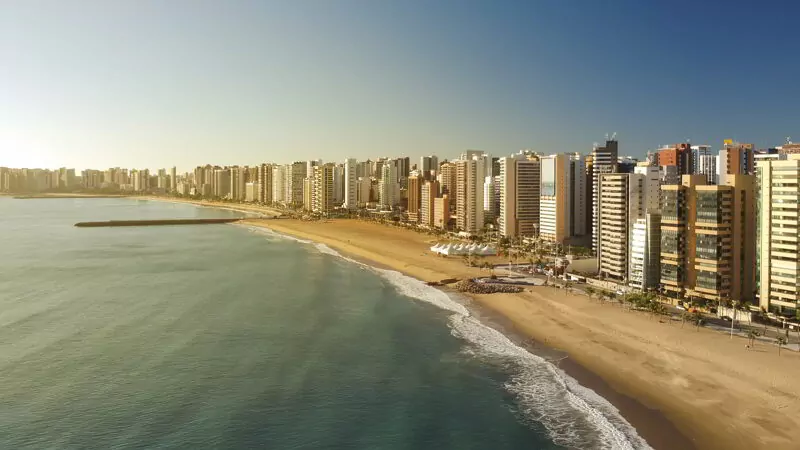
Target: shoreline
column 701, row 382
column 263, row 211
column 650, row 424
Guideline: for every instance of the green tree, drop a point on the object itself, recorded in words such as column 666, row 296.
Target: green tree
column 590, row 291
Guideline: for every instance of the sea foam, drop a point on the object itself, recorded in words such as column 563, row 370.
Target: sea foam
column 573, row 415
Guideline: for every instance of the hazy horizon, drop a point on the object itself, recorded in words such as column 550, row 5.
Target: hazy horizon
column 159, row 84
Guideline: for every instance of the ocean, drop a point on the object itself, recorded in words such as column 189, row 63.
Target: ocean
column 225, row 336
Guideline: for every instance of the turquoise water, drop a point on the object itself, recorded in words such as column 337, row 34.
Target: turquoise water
column 222, row 336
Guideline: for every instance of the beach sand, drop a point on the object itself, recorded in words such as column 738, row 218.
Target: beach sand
column 716, row 392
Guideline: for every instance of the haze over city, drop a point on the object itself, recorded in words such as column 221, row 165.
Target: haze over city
column 158, row 84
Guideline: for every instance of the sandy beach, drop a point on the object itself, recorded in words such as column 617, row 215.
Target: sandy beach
column 715, row 391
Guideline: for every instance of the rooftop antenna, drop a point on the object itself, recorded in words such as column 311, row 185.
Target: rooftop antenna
column 613, row 136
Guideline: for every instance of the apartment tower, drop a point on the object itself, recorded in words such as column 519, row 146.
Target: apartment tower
column 778, row 235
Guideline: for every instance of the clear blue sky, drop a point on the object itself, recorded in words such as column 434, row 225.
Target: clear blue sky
column 161, row 83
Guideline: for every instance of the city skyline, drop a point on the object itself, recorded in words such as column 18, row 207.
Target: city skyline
column 156, row 85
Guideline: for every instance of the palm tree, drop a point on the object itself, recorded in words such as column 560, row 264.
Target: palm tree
column 590, row 291
column 568, row 286
column 781, row 341
column 612, row 296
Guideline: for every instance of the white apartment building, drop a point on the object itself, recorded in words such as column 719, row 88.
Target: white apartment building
column 644, row 271
column 519, row 195
column 278, row 184
column 778, row 230
column 555, row 203
column 622, row 200
column 350, row 183
column 389, row 187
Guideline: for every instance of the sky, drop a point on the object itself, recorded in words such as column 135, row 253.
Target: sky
column 149, row 84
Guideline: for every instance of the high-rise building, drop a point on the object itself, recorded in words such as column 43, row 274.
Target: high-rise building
column 555, row 200
column 364, row 191
column 707, row 252
column 698, row 152
column 222, row 183
column 679, row 155
column 621, row 200
column 735, row 158
column 604, row 160
column 578, row 196
column 237, row 180
column 278, row 184
column 489, row 199
column 651, row 185
column 644, row 271
column 415, row 182
column 162, row 179
column 519, row 195
column 308, row 193
column 323, row 188
column 251, row 191
column 388, row 188
column 350, row 183
column 338, row 184
column 448, row 179
column 469, row 195
column 173, row 179
column 428, row 194
column 265, row 183
column 778, row 235
column 441, row 212
column 296, row 173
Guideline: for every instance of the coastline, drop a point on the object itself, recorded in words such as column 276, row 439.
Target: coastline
column 697, row 380
column 263, row 211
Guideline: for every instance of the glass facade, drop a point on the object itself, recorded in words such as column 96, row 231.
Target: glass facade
column 709, row 207
column 672, row 208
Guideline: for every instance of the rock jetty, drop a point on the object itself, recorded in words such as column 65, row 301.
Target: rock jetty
column 472, row 287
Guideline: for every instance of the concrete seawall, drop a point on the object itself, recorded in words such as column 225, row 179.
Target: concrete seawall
column 150, row 223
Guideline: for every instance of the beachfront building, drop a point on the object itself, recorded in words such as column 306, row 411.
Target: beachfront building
column 388, row 187
column 415, row 182
column 350, row 200
column 251, row 191
column 489, row 199
column 237, row 181
column 577, row 195
column 322, row 188
column 264, row 178
column 707, row 245
column 308, row 194
column 278, row 184
column 644, row 271
column 604, row 160
column 294, row 176
column 428, row 194
column 222, row 183
column 778, row 235
column 469, row 194
column 441, row 212
column 364, row 191
column 622, row 200
column 173, row 179
column 448, row 179
column 519, row 195
column 555, row 202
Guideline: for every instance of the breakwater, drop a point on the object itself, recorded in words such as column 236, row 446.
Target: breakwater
column 149, row 223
